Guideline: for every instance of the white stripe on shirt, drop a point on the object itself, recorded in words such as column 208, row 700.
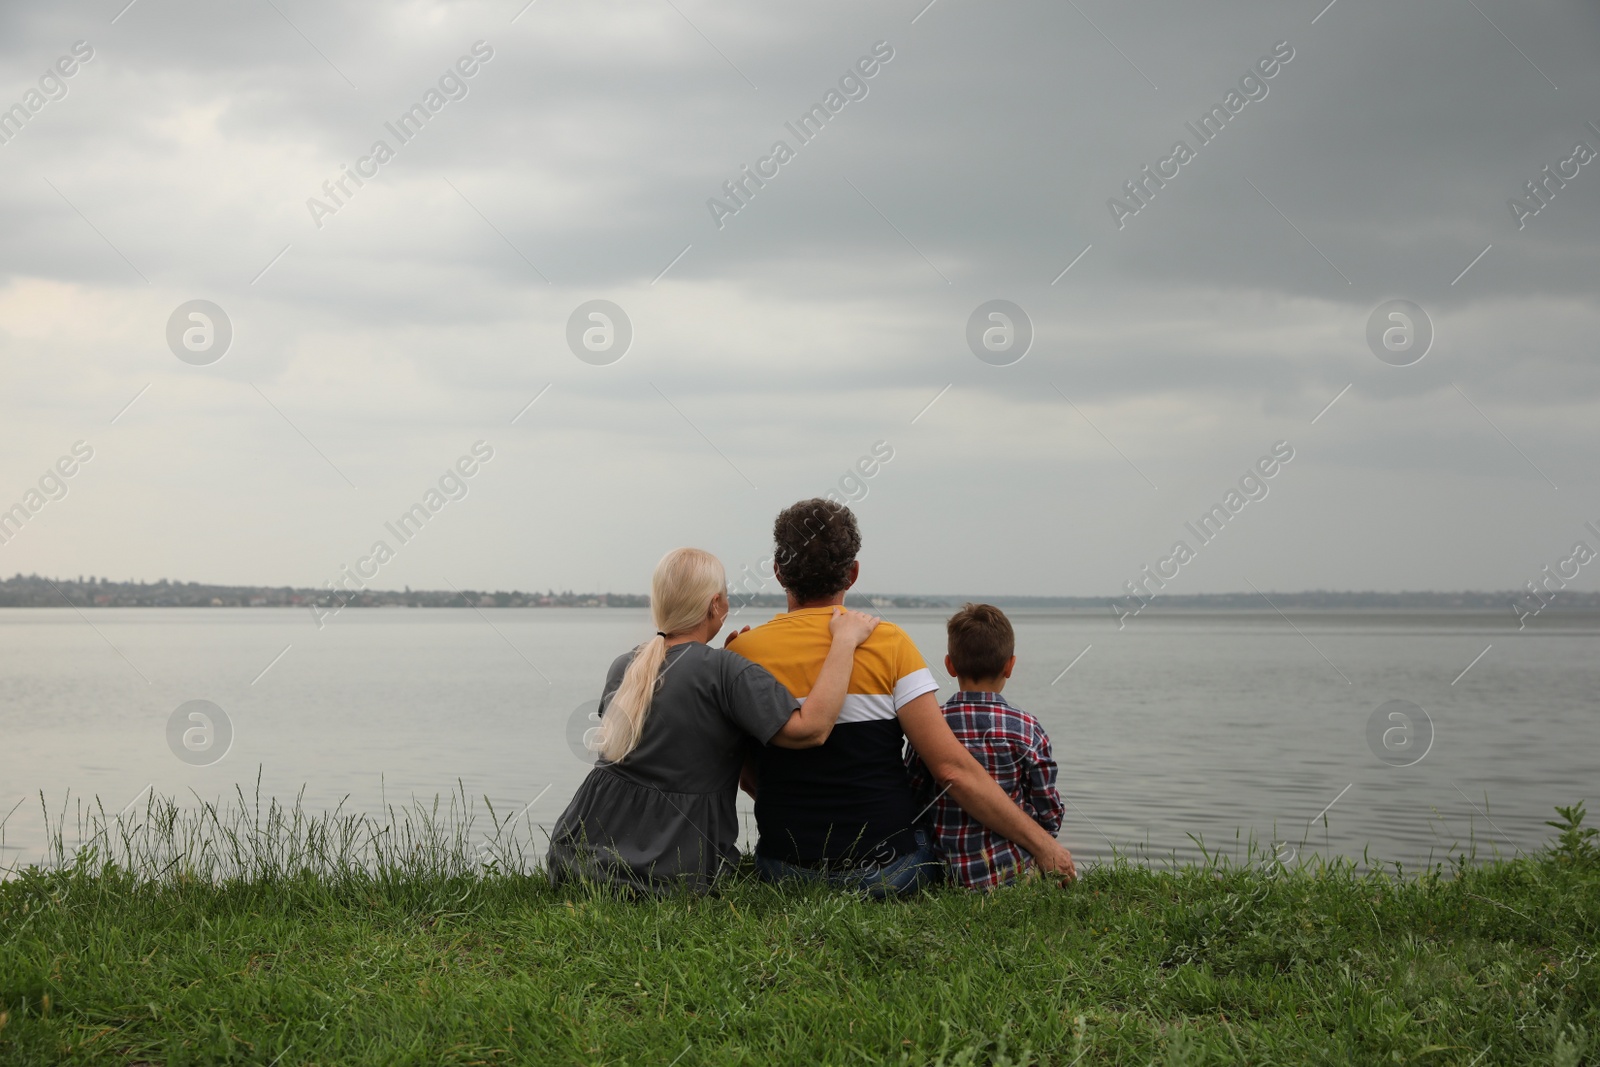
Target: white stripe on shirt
column 872, row 707
column 866, row 707
column 912, row 686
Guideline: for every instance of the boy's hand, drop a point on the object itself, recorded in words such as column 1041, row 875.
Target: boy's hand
column 853, row 627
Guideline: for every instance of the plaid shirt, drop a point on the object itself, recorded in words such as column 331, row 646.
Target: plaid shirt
column 1015, row 750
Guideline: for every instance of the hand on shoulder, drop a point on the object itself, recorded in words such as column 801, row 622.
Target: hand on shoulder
column 852, row 626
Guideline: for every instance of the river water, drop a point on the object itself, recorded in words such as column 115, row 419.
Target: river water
column 1181, row 728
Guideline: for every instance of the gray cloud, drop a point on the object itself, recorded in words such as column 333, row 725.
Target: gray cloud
column 827, row 312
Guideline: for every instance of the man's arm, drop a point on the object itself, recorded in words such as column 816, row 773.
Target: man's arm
column 954, row 769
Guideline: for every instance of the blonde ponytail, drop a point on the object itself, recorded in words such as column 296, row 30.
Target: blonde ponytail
column 680, row 594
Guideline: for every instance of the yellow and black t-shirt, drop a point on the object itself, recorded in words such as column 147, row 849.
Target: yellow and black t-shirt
column 847, row 800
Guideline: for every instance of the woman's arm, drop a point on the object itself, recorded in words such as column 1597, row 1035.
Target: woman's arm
column 811, row 725
column 956, row 772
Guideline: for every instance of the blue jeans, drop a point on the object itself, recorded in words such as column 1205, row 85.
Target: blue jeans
column 899, row 877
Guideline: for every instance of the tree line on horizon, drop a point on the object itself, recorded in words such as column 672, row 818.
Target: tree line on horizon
column 35, row 591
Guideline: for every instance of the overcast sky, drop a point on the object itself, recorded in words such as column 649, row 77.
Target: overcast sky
column 378, row 336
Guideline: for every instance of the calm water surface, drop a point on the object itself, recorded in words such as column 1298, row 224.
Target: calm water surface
column 1209, row 727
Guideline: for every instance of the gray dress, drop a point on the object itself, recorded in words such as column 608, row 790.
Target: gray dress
column 663, row 817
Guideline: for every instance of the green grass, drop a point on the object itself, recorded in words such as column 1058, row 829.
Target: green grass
column 295, row 940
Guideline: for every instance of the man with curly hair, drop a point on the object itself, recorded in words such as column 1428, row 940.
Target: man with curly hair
column 844, row 812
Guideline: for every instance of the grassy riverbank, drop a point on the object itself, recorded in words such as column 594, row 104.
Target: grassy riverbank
column 296, row 960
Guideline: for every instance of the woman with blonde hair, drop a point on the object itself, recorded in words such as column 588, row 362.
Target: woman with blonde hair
column 676, row 717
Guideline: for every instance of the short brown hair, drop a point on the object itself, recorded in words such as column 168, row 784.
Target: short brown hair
column 816, row 541
column 981, row 641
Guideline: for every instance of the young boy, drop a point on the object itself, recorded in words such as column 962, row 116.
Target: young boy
column 1009, row 742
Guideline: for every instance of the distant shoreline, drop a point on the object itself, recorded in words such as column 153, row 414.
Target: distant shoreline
column 34, row 591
